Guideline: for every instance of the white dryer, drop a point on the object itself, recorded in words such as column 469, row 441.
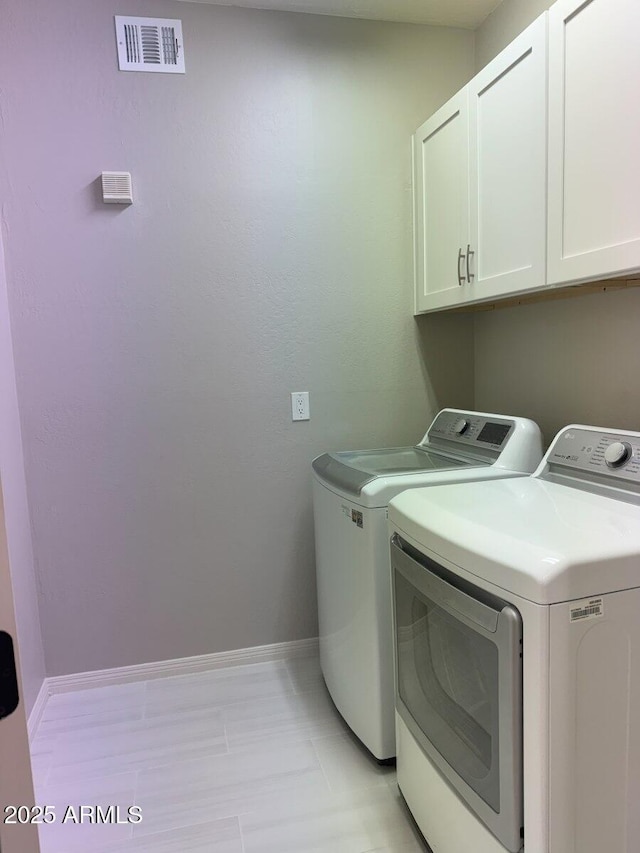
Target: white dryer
column 351, row 491
column 517, row 639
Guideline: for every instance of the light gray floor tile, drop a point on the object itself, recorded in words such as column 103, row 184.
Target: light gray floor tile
column 413, row 842
column 413, row 846
column 392, row 782
column 348, row 766
column 117, row 747
column 118, row 698
column 250, row 759
column 220, row 836
column 294, row 716
column 333, row 823
column 72, row 837
column 305, row 673
column 52, row 726
column 226, row 785
column 217, row 688
column 42, row 749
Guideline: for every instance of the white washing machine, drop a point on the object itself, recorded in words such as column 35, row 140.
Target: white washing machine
column 517, row 642
column 351, row 491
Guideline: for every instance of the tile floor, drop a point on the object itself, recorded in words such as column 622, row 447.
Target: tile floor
column 249, row 759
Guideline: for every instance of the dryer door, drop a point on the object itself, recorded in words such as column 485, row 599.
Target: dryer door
column 459, row 685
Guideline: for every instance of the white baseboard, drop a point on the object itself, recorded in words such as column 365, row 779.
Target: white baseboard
column 38, row 709
column 168, row 668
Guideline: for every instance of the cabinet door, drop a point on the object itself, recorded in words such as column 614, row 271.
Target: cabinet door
column 441, row 199
column 508, row 168
column 594, row 139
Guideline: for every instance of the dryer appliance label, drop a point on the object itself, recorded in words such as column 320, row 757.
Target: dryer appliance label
column 592, row 608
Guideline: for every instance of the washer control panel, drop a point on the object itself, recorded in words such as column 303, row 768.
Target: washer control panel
column 472, row 430
column 608, row 454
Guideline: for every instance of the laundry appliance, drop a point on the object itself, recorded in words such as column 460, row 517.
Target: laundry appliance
column 517, row 642
column 351, row 491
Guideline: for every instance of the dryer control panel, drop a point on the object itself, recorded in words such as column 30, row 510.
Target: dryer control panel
column 596, row 452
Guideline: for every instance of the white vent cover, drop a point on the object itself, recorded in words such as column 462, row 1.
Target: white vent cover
column 117, row 188
column 150, row 44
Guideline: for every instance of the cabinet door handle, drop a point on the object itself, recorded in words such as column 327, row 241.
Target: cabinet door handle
column 470, row 254
column 461, row 278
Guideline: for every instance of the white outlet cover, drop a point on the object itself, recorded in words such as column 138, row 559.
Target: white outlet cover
column 300, row 406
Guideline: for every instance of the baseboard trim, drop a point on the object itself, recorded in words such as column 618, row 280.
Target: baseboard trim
column 38, row 709
column 163, row 669
column 180, row 666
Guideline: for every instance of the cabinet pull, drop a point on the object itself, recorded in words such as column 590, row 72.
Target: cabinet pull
column 470, row 254
column 461, row 278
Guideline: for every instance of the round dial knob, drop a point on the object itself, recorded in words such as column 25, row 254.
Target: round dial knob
column 461, row 426
column 617, row 454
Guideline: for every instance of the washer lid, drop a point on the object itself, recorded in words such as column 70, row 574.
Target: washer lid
column 541, row 540
column 456, row 441
column 352, row 470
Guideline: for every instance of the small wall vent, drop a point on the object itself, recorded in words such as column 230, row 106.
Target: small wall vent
column 117, row 188
column 150, row 44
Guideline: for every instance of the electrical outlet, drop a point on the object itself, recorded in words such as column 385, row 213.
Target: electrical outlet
column 300, row 406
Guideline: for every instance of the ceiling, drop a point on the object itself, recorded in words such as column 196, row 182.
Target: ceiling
column 449, row 13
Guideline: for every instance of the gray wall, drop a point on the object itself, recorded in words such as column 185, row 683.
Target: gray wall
column 16, row 512
column 269, row 250
column 507, row 21
column 562, row 362
column 558, row 362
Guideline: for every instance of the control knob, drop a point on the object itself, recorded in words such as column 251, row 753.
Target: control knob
column 461, row 426
column 617, row 453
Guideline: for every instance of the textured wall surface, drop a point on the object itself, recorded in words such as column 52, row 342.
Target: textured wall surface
column 507, row 21
column 557, row 362
column 16, row 512
column 268, row 251
column 562, row 362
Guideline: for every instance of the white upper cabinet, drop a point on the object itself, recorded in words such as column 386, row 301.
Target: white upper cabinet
column 480, row 183
column 594, row 139
column 441, row 201
column 507, row 168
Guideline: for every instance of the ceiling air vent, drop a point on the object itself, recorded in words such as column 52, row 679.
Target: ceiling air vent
column 150, row 44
